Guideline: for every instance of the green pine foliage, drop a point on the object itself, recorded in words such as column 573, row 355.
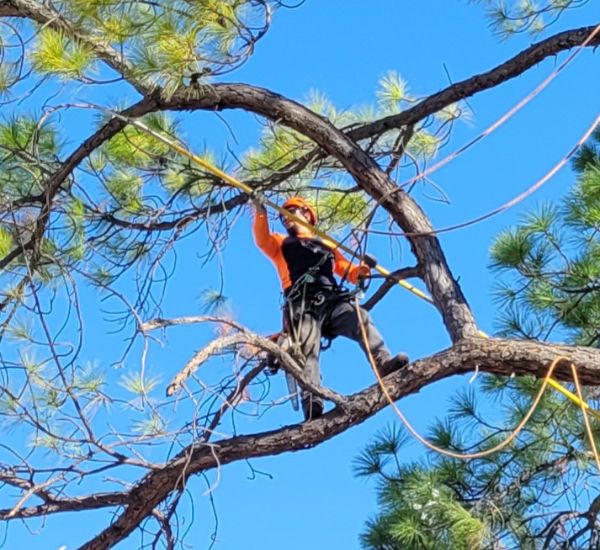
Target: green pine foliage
column 134, row 148
column 214, row 302
column 130, row 218
column 550, row 264
column 338, row 209
column 56, row 54
column 528, row 493
column 8, row 77
column 125, row 188
column 393, row 90
column 163, row 43
column 278, row 147
column 6, row 242
column 504, row 500
column 29, row 151
column 418, row 511
column 509, row 17
column 339, row 203
column 27, row 134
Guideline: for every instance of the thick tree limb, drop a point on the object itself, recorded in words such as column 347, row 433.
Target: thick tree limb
column 447, row 294
column 497, row 356
column 8, row 10
column 503, row 357
column 432, row 104
column 508, row 70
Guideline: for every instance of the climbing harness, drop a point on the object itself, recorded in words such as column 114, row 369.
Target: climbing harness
column 305, row 298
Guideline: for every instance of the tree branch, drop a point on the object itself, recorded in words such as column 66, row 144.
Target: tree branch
column 245, row 337
column 54, row 506
column 503, row 357
column 8, row 10
column 445, row 290
column 508, row 70
column 55, row 180
column 390, row 282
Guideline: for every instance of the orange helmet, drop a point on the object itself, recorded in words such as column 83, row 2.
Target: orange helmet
column 299, row 202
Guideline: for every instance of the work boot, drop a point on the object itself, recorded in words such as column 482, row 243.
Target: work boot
column 392, row 364
column 312, row 407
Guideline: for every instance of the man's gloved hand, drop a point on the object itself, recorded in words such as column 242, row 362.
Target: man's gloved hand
column 363, row 272
column 363, row 276
column 257, row 200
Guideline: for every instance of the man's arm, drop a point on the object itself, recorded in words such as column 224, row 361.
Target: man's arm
column 263, row 237
column 344, row 268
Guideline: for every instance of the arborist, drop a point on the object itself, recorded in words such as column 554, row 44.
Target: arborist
column 316, row 305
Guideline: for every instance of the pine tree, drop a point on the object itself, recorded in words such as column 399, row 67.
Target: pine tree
column 531, row 494
column 96, row 218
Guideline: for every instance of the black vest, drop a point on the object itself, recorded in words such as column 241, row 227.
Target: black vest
column 311, row 258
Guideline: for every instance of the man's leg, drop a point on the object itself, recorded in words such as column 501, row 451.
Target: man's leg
column 305, row 334
column 344, row 321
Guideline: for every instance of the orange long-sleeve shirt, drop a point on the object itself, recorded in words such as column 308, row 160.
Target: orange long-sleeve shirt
column 271, row 246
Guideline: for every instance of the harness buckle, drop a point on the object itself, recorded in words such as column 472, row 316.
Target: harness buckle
column 319, row 299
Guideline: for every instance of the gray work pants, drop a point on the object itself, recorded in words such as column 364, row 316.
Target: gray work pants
column 306, row 323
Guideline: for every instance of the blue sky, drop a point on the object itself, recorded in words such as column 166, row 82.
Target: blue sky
column 342, row 48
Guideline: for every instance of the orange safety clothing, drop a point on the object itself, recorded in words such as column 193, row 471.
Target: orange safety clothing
column 273, row 245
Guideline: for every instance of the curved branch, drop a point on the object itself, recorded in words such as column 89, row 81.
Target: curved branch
column 54, row 506
column 286, row 361
column 390, row 282
column 444, row 289
column 508, row 70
